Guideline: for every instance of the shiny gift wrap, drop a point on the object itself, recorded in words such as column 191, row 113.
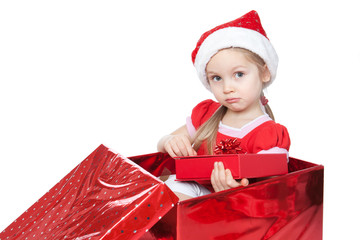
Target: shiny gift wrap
column 106, row 196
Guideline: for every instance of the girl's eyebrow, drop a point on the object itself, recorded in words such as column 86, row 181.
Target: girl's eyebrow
column 210, row 72
column 239, row 66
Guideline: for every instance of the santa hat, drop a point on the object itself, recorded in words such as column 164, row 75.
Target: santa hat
column 245, row 32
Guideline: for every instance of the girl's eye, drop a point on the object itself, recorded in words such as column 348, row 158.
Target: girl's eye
column 239, row 74
column 216, row 78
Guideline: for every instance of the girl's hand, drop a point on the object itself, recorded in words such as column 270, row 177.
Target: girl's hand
column 222, row 179
column 178, row 146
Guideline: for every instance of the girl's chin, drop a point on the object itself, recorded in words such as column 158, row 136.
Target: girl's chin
column 234, row 108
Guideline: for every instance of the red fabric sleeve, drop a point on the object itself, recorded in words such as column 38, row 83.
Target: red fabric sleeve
column 203, row 111
column 268, row 136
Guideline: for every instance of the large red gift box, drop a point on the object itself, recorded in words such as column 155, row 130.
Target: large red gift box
column 106, row 196
column 278, row 208
column 199, row 168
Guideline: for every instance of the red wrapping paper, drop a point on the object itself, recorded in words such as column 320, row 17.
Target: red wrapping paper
column 106, row 196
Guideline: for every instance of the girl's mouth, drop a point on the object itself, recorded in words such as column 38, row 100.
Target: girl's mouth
column 232, row 100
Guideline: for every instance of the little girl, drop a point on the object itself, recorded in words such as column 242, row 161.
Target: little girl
column 235, row 61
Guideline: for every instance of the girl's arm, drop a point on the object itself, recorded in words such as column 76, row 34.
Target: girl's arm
column 177, row 144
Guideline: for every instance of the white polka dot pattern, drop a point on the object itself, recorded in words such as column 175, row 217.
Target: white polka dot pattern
column 106, row 196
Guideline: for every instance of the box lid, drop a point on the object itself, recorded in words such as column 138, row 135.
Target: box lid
column 106, row 196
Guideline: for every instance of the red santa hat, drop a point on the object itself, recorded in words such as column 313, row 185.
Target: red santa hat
column 245, row 32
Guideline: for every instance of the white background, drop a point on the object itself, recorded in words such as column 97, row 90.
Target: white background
column 77, row 74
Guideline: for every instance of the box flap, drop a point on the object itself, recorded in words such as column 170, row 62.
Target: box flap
column 106, row 196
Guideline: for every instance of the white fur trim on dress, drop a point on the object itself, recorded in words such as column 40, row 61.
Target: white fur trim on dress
column 235, row 37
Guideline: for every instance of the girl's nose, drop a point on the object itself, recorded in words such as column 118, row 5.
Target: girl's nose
column 228, row 86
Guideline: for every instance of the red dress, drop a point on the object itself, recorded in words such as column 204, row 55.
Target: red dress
column 262, row 135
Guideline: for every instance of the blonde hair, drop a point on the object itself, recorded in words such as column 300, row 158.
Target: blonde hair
column 208, row 131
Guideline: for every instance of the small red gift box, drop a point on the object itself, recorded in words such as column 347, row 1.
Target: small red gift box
column 199, row 168
column 106, row 196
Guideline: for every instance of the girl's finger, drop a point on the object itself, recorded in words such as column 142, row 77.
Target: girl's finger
column 181, row 148
column 230, row 181
column 222, row 176
column 170, row 151
column 176, row 150
column 244, row 182
column 171, row 146
column 194, row 153
column 213, row 182
column 189, row 150
column 217, row 184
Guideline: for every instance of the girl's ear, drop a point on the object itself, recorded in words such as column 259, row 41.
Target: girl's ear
column 266, row 76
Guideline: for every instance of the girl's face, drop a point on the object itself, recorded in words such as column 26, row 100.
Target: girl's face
column 235, row 81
